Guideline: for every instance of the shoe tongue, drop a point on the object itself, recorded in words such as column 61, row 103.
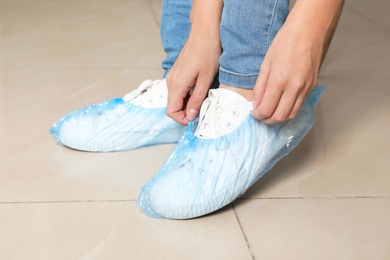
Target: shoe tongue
column 161, row 85
column 226, row 97
column 214, row 123
column 150, row 94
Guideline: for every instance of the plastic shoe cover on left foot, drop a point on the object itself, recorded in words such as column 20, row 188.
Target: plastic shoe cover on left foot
column 228, row 153
column 138, row 119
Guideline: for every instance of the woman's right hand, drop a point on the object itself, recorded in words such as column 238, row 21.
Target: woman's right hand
column 194, row 70
column 191, row 77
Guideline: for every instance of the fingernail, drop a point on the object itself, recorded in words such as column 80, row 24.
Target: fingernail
column 191, row 114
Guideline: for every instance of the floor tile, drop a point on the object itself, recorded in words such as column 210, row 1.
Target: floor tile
column 348, row 229
column 377, row 13
column 156, row 6
column 114, row 231
column 34, row 168
column 328, row 199
column 347, row 151
column 79, row 34
column 358, row 44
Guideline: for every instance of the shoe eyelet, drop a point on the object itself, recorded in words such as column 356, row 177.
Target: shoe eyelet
column 229, row 124
column 236, row 113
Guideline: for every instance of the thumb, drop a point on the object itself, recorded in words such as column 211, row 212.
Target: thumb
column 259, row 88
column 195, row 101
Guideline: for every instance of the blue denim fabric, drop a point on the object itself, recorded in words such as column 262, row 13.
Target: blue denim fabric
column 175, row 28
column 247, row 30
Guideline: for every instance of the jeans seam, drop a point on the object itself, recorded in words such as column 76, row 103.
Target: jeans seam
column 236, row 74
column 271, row 22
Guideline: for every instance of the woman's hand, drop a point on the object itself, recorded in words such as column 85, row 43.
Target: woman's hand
column 197, row 64
column 194, row 71
column 287, row 75
column 290, row 68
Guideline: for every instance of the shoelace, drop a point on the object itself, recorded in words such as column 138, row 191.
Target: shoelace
column 213, row 120
column 149, row 90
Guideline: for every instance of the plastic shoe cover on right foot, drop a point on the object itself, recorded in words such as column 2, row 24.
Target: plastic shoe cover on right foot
column 138, row 119
column 226, row 154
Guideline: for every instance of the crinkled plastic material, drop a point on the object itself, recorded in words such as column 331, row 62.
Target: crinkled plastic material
column 204, row 175
column 115, row 125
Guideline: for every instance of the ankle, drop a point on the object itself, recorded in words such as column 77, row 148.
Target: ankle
column 246, row 93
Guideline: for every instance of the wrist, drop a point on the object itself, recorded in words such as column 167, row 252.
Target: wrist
column 205, row 18
column 314, row 19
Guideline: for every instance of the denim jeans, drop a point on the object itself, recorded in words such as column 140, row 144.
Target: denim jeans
column 247, row 30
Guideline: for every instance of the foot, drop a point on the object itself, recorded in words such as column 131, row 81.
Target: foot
column 246, row 93
column 138, row 119
column 226, row 154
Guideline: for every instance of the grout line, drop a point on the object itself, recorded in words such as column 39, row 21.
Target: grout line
column 318, row 198
column 369, row 19
column 242, row 231
column 155, row 17
column 264, row 198
column 62, row 201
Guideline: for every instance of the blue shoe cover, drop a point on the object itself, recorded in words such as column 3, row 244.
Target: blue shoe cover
column 203, row 175
column 116, row 125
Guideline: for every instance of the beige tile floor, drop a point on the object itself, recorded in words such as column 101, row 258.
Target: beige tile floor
column 329, row 199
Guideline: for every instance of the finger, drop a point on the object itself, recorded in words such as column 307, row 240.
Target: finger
column 176, row 112
column 260, row 86
column 297, row 106
column 283, row 109
column 269, row 102
column 180, row 117
column 175, row 107
column 196, row 99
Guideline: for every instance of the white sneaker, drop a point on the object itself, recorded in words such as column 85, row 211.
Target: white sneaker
column 138, row 119
column 228, row 152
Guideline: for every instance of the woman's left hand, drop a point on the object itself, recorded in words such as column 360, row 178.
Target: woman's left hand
column 287, row 75
column 290, row 68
